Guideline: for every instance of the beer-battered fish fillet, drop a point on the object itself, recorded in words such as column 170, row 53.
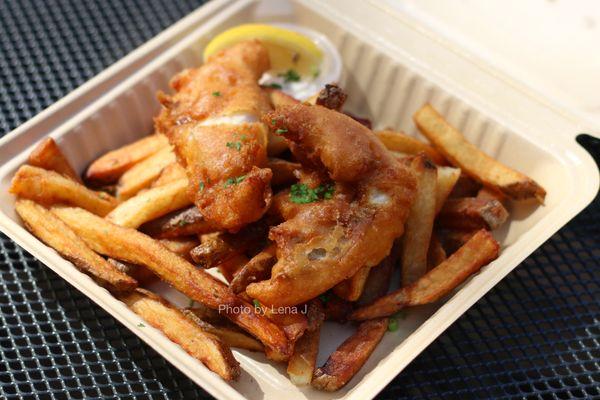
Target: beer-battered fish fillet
column 326, row 241
column 213, row 120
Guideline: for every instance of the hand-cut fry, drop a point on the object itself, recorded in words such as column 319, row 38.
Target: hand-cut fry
column 283, row 171
column 171, row 173
column 225, row 330
column 49, row 187
column 465, row 186
column 378, row 281
column 419, row 225
column 255, row 270
column 141, row 175
column 446, row 179
column 199, row 343
column 302, row 362
column 231, row 267
column 218, row 247
column 352, row 288
column 135, row 247
column 336, row 309
column 56, row 234
column 181, row 245
column 490, row 194
column 113, row 164
column 452, row 144
column 454, row 239
column 151, row 204
column 188, row 221
column 47, row 155
column 141, row 274
column 472, row 213
column 403, row 143
column 480, row 250
column 436, row 253
column 350, row 356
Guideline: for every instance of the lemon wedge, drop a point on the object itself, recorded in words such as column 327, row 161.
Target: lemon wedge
column 288, row 50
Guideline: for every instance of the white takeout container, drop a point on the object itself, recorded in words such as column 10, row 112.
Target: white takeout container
column 391, row 68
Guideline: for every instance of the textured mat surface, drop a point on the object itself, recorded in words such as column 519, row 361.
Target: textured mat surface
column 536, row 335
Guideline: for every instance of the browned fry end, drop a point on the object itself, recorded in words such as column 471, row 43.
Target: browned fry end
column 47, row 155
column 350, row 356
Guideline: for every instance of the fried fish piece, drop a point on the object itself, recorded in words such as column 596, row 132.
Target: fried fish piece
column 329, row 240
column 213, row 121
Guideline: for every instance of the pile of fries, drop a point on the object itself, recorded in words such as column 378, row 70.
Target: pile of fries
column 134, row 222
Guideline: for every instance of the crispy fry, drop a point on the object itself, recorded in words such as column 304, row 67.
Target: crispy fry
column 49, row 187
column 171, row 173
column 255, row 270
column 419, row 225
column 135, row 247
column 454, row 239
column 141, row 175
column 472, row 213
column 230, row 267
column 53, row 232
column 218, row 247
column 436, row 253
column 141, row 274
column 112, row 165
column 151, row 204
column 302, row 362
column 403, row 143
column 188, row 221
column 47, row 155
column 490, row 194
column 336, row 309
column 198, row 342
column 225, row 330
column 483, row 168
column 465, row 186
column 378, row 281
column 350, row 356
column 480, row 250
column 352, row 288
column 283, row 171
column 446, row 179
column 181, row 245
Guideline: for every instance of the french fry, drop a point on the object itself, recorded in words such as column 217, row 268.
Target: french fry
column 480, row 250
column 49, row 187
column 141, row 274
column 378, row 281
column 419, row 225
column 472, row 213
column 436, row 253
column 454, row 239
column 151, row 204
column 283, row 171
column 185, row 222
column 133, row 246
column 47, row 155
column 112, row 165
column 257, row 269
column 351, row 288
column 490, row 194
column 302, row 363
column 402, row 143
column 465, row 186
column 172, row 172
column 199, row 343
column 336, row 309
column 225, row 330
column 231, row 267
column 181, row 245
column 446, row 179
column 142, row 174
column 350, row 356
column 483, row 168
column 56, row 234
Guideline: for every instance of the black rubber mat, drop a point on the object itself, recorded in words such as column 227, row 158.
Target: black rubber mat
column 536, row 335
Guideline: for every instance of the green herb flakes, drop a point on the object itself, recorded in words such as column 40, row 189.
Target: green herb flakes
column 393, row 325
column 274, row 85
column 201, row 186
column 256, row 303
column 300, row 193
column 234, row 145
column 325, row 297
column 141, row 325
column 234, row 181
column 281, row 131
column 290, row 76
column 216, row 94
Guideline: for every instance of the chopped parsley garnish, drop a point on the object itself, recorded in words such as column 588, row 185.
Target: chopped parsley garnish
column 393, row 325
column 290, row 76
column 256, row 303
column 243, row 138
column 216, row 94
column 274, row 85
column 300, row 193
column 325, row 297
column 281, row 131
column 201, row 186
column 182, row 222
column 141, row 325
column 274, row 121
column 234, row 181
column 234, row 145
